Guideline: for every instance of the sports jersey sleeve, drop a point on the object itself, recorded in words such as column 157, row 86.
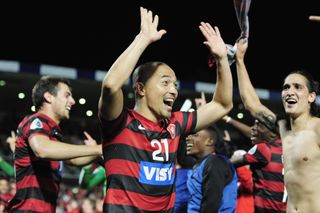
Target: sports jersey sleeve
column 111, row 128
column 189, row 121
column 89, row 179
column 6, row 167
column 37, row 126
column 215, row 177
column 245, row 179
column 259, row 154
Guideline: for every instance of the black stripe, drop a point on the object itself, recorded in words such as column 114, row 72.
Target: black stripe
column 40, row 170
column 126, row 152
column 32, row 118
column 268, row 194
column 276, row 158
column 128, row 209
column 54, row 132
column 36, row 193
column 22, row 152
column 275, row 143
column 184, row 122
column 264, row 210
column 194, row 121
column 133, row 185
column 267, row 175
column 32, row 131
column 133, row 126
column 110, row 129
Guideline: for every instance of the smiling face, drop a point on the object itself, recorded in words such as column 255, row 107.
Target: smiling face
column 158, row 93
column 62, row 102
column 260, row 133
column 296, row 97
column 199, row 142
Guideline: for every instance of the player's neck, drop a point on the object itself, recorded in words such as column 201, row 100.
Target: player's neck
column 299, row 122
column 147, row 113
column 50, row 114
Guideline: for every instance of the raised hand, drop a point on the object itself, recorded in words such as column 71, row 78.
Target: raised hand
column 213, row 40
column 11, row 140
column 200, row 101
column 149, row 25
column 89, row 140
column 242, row 46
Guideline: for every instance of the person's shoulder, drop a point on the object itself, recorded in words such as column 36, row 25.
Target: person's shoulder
column 217, row 159
column 26, row 118
column 316, row 125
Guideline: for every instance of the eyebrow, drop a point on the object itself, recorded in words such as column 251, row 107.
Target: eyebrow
column 68, row 93
column 166, row 76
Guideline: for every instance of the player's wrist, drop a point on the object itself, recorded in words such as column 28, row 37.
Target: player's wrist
column 227, row 119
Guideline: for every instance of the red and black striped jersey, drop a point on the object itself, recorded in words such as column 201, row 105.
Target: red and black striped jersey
column 139, row 161
column 37, row 180
column 268, row 184
column 4, row 199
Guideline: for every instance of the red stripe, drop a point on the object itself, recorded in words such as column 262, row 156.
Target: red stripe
column 273, row 167
column 276, row 186
column 33, row 181
column 143, row 202
column 25, row 161
column 122, row 167
column 269, row 204
column 137, row 140
column 35, row 205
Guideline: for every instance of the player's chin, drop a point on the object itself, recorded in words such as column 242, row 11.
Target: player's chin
column 167, row 114
column 190, row 152
column 67, row 116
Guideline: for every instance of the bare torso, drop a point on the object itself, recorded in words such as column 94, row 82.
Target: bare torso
column 301, row 153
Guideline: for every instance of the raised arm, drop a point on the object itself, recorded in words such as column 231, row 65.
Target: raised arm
column 314, row 18
column 11, row 140
column 221, row 102
column 6, row 167
column 111, row 99
column 243, row 128
column 248, row 94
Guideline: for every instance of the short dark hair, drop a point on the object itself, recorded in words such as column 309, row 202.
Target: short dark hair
column 217, row 137
column 313, row 86
column 143, row 72
column 46, row 84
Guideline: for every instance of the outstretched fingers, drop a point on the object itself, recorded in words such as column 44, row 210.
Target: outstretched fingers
column 217, row 31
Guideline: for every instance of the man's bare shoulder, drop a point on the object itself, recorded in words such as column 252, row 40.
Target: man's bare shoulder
column 315, row 125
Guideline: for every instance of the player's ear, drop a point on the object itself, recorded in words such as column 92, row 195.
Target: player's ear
column 312, row 97
column 139, row 86
column 47, row 97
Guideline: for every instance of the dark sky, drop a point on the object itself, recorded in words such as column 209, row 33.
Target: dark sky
column 92, row 36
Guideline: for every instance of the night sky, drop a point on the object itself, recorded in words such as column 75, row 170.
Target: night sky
column 92, row 36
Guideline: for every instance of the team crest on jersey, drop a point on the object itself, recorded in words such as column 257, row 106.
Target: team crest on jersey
column 172, row 130
column 36, row 124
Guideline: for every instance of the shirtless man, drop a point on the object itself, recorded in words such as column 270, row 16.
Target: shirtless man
column 301, row 143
